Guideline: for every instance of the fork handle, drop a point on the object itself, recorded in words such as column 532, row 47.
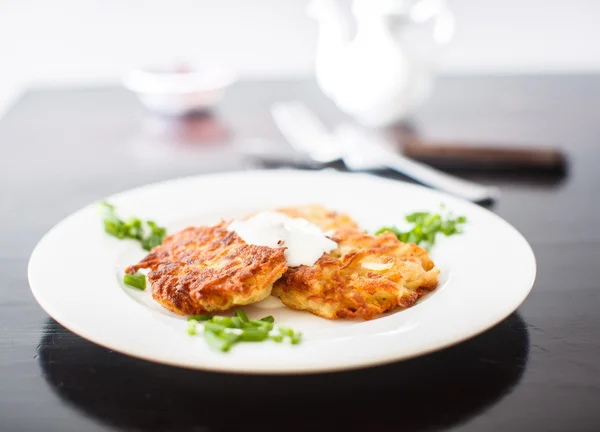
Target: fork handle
column 438, row 179
column 375, row 147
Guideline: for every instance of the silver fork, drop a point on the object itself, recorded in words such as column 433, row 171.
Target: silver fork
column 362, row 150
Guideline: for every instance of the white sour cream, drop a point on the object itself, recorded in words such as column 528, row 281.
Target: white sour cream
column 305, row 242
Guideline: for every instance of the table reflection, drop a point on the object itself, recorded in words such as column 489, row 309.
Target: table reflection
column 441, row 389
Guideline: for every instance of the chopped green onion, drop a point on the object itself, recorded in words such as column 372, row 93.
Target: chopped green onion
column 277, row 338
column 214, row 327
column 413, row 238
column 137, row 280
column 216, row 342
column 416, row 217
column 114, row 228
column 426, row 226
column 260, row 323
column 156, row 229
column 222, row 332
column 285, row 331
column 254, row 335
column 201, row 317
column 192, row 327
column 229, row 336
column 242, row 315
column 151, row 241
column 430, row 238
column 296, row 338
column 225, row 321
column 133, row 228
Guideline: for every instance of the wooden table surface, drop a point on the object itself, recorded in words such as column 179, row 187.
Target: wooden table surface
column 539, row 370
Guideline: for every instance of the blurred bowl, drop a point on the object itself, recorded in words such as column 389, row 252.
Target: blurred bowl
column 178, row 90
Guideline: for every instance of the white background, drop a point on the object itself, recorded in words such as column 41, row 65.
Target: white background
column 75, row 41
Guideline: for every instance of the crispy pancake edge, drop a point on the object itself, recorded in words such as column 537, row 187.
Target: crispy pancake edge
column 207, row 269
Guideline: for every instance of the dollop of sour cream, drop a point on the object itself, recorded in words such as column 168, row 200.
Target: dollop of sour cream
column 305, row 242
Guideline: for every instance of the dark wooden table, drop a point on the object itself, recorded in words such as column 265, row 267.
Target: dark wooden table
column 539, row 370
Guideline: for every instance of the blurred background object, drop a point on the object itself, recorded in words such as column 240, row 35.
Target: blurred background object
column 385, row 69
column 363, row 150
column 178, row 89
column 69, row 42
column 375, row 60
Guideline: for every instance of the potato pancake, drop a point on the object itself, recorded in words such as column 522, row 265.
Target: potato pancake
column 322, row 217
column 365, row 276
column 206, row 269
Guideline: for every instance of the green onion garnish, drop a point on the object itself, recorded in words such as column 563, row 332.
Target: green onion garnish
column 222, row 332
column 214, row 327
column 192, row 327
column 260, row 323
column 241, row 315
column 201, row 317
column 254, row 334
column 426, row 227
column 216, row 342
column 114, row 228
column 229, row 336
column 237, row 322
column 285, row 331
column 296, row 338
column 223, row 320
column 137, row 280
column 148, row 233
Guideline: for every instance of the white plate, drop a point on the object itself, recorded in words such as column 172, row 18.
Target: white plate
column 75, row 273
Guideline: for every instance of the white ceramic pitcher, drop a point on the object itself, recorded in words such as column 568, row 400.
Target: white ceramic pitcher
column 383, row 72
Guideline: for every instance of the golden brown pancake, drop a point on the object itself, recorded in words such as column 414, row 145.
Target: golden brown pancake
column 365, row 276
column 322, row 217
column 206, row 269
